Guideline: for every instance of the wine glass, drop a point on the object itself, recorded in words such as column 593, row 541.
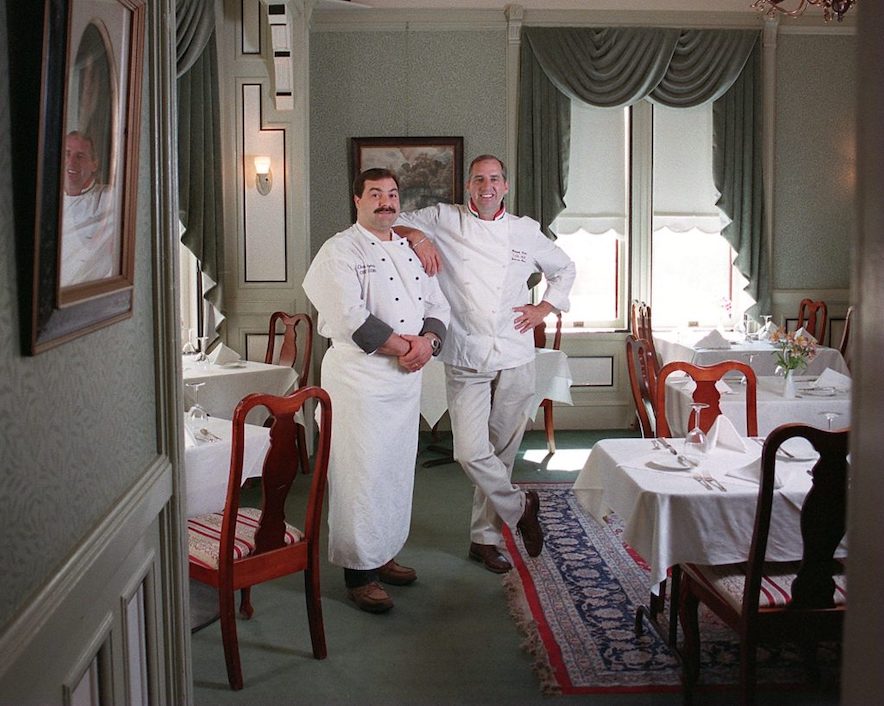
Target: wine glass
column 695, row 440
column 202, row 358
column 829, row 417
column 749, row 358
column 196, row 416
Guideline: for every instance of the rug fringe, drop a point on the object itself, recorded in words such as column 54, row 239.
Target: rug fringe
column 532, row 643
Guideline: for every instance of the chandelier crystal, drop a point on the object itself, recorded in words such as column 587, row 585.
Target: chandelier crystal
column 831, row 8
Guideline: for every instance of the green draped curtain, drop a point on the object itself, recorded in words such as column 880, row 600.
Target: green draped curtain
column 615, row 67
column 199, row 143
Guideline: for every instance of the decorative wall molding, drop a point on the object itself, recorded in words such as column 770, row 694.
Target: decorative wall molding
column 280, row 46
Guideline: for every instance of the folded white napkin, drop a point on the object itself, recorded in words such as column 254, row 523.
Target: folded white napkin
column 222, row 355
column 832, row 378
column 724, row 435
column 713, row 339
column 752, row 473
column 804, row 332
column 765, row 332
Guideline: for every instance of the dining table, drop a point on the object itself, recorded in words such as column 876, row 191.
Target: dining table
column 207, row 462
column 812, row 404
column 552, row 381
column 673, row 515
column 685, row 345
column 223, row 386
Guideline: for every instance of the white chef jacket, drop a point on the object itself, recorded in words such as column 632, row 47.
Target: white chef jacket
column 485, row 269
column 89, row 246
column 365, row 288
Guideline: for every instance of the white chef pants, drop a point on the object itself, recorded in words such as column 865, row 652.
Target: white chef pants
column 489, row 412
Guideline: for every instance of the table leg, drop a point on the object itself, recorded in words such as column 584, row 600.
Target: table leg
column 656, row 604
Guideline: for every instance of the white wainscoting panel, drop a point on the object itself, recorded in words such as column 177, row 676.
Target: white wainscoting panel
column 265, row 215
column 250, row 39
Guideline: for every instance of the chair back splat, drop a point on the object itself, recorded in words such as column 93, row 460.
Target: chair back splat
column 241, row 547
column 813, row 316
column 706, row 376
column 291, row 338
column 643, row 383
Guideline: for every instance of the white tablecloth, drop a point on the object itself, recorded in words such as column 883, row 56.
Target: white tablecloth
column 669, row 518
column 553, row 381
column 773, row 409
column 225, row 386
column 207, row 464
column 679, row 345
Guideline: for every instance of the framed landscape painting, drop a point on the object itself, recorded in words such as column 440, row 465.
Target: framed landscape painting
column 430, row 169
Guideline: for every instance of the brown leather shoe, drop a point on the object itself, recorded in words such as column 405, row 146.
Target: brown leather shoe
column 491, row 557
column 396, row 574
column 529, row 525
column 371, row 597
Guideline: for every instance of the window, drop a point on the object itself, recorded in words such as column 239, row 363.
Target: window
column 640, row 209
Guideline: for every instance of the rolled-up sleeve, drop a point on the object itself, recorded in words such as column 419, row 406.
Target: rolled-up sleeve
column 333, row 287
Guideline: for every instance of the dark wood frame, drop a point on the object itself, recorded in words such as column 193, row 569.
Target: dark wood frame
column 360, row 160
column 58, row 314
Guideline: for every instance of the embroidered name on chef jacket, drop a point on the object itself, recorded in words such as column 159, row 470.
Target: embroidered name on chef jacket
column 519, row 256
column 366, row 269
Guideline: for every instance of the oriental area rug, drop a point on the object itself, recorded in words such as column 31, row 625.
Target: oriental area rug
column 575, row 605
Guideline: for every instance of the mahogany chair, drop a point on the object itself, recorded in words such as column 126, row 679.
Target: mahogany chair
column 290, row 354
column 643, row 382
column 813, row 316
column 802, row 602
column 640, row 327
column 547, row 405
column 844, row 346
column 241, row 547
column 706, row 376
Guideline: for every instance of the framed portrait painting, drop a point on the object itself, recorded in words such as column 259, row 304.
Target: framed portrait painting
column 430, row 169
column 87, row 168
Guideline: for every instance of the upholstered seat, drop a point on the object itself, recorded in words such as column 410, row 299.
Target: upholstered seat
column 204, row 536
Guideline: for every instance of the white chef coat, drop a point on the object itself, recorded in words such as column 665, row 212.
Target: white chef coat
column 89, row 246
column 485, row 269
column 358, row 282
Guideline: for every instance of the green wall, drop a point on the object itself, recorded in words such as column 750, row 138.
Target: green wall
column 376, row 84
column 815, row 170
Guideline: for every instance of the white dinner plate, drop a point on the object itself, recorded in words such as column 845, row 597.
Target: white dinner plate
column 234, row 364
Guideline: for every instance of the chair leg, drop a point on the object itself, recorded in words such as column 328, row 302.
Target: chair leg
column 690, row 625
column 229, row 639
column 748, row 655
column 548, row 425
column 314, row 613
column 302, row 450
column 245, row 603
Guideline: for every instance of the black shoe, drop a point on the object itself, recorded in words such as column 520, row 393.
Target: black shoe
column 529, row 525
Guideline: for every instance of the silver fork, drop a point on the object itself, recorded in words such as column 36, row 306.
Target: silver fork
column 702, row 481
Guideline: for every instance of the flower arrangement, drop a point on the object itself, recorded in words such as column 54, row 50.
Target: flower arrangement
column 795, row 351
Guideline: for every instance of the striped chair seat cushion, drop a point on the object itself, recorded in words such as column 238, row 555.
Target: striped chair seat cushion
column 776, row 586
column 204, row 536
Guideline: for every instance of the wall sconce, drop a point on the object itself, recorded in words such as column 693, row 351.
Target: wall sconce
column 263, row 175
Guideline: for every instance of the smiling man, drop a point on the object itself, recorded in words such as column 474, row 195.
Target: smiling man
column 486, row 256
column 385, row 318
column 89, row 246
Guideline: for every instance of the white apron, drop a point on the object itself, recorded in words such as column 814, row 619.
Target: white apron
column 375, row 418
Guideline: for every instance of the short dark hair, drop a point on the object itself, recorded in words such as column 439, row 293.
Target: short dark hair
column 488, row 158
column 375, row 174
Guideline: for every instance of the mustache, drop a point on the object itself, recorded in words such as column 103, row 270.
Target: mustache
column 385, row 209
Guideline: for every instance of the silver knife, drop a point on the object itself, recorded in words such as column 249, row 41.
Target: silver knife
column 681, row 459
column 780, row 450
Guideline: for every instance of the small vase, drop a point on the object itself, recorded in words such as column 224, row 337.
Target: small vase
column 789, row 385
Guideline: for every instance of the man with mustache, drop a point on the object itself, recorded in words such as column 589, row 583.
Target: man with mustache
column 89, row 248
column 486, row 257
column 385, row 318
